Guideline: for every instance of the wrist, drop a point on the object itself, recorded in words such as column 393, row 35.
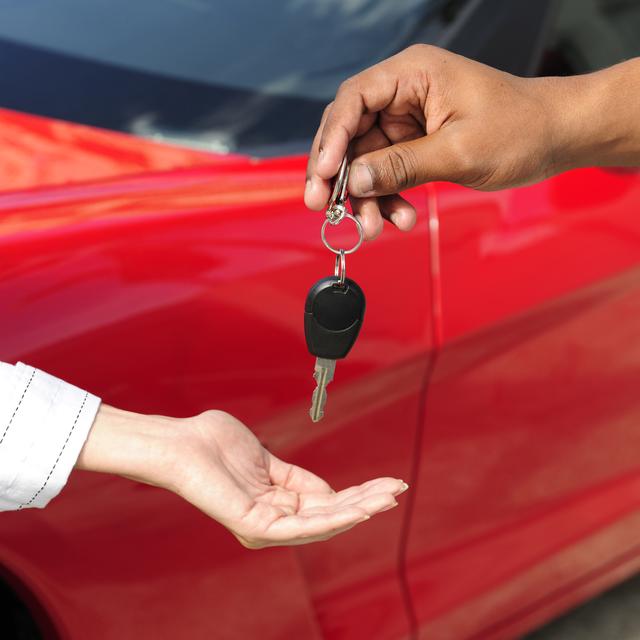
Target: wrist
column 132, row 445
column 565, row 105
column 589, row 117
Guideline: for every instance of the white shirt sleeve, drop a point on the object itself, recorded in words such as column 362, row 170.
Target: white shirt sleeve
column 44, row 423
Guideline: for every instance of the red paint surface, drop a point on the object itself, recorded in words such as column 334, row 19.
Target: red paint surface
column 171, row 282
column 178, row 291
column 532, row 423
column 39, row 152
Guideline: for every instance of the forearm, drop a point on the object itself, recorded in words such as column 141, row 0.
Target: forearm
column 141, row 447
column 596, row 117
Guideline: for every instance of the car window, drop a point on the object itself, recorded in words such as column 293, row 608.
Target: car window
column 223, row 75
column 587, row 35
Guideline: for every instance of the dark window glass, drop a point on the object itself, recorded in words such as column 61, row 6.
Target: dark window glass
column 587, row 35
column 504, row 34
column 225, row 75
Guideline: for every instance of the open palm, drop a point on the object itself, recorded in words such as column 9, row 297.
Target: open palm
column 264, row 501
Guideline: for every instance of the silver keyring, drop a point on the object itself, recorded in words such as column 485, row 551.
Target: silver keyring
column 346, row 251
column 336, row 209
column 339, row 194
column 340, row 271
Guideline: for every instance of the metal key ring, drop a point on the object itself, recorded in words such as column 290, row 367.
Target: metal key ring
column 340, row 271
column 346, row 251
column 336, row 209
column 339, row 194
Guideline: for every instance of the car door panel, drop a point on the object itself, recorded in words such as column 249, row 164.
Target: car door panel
column 532, row 427
column 182, row 290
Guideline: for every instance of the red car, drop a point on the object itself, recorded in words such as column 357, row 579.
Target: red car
column 154, row 249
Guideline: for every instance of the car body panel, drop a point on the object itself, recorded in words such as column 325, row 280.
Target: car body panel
column 181, row 290
column 532, row 422
column 40, row 152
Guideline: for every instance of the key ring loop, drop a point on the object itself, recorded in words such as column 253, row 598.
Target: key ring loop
column 339, row 194
column 345, row 251
column 336, row 210
column 340, row 271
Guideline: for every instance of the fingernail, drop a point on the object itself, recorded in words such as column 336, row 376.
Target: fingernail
column 395, row 218
column 362, row 179
column 365, row 518
column 404, row 486
column 308, row 190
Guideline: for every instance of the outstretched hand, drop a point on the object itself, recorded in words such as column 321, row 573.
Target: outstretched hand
column 264, row 501
column 218, row 465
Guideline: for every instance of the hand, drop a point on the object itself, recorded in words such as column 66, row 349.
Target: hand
column 486, row 129
column 219, row 466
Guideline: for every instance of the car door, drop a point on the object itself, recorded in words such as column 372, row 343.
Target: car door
column 182, row 291
column 529, row 483
column 172, row 282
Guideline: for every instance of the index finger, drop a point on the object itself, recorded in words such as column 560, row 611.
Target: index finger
column 353, row 113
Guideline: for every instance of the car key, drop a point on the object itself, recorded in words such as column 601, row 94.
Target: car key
column 333, row 315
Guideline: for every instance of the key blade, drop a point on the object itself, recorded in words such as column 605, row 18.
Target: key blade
column 323, row 374
column 318, row 401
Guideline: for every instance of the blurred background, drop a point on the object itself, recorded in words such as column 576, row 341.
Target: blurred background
column 254, row 77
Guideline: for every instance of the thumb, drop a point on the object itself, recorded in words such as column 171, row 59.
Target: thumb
column 407, row 164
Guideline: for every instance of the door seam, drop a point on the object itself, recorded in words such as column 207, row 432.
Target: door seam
column 436, row 339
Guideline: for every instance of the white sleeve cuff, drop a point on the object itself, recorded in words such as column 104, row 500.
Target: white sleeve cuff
column 44, row 423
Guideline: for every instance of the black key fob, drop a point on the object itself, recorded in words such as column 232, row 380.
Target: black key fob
column 333, row 315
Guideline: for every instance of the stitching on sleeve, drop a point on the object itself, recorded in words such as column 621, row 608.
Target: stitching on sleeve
column 55, row 464
column 33, row 373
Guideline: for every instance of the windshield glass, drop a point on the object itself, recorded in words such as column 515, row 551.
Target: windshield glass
column 225, row 75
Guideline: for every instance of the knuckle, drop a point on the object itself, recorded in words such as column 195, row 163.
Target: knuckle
column 418, row 49
column 343, row 88
column 350, row 85
column 399, row 168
